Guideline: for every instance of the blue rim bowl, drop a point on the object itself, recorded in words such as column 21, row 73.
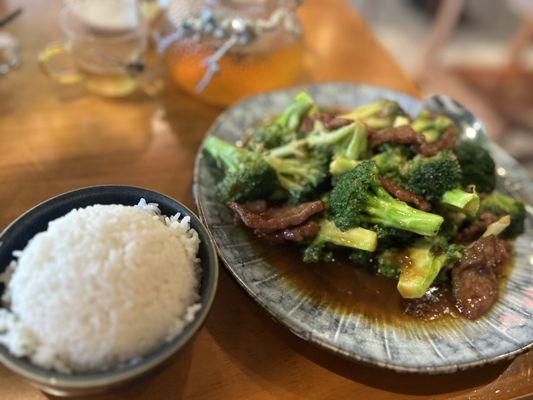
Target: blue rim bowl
column 20, row 231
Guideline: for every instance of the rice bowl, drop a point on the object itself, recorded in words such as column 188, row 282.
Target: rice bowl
column 103, row 286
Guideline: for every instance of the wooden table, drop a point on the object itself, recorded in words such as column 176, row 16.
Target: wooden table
column 54, row 139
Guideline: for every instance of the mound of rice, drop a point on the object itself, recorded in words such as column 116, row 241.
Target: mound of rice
column 102, row 286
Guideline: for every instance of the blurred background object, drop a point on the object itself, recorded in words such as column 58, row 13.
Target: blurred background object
column 105, row 42
column 477, row 51
column 152, row 9
column 224, row 50
column 9, row 46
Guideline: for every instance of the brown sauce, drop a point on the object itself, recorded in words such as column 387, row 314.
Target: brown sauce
column 355, row 289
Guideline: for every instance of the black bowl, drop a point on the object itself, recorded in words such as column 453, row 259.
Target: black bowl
column 20, row 231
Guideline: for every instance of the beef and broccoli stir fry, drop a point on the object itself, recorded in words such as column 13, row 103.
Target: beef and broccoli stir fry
column 405, row 196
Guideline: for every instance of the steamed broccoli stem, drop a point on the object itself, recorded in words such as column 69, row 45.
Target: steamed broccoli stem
column 328, row 140
column 416, row 278
column 293, row 114
column 424, row 266
column 224, row 153
column 341, row 164
column 357, row 144
column 401, row 120
column 466, row 201
column 329, row 234
column 500, row 205
column 355, row 238
column 320, row 140
column 498, row 226
column 386, row 210
column 355, row 147
column 377, row 115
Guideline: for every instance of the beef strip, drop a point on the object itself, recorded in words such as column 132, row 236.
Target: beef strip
column 475, row 276
column 402, row 134
column 331, row 122
column 295, row 234
column 474, row 231
column 276, row 219
column 406, row 135
column 432, row 305
column 403, row 194
column 256, row 206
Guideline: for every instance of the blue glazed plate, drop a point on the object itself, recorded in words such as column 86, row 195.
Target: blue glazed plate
column 406, row 345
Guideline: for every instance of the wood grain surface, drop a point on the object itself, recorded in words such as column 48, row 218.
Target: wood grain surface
column 56, row 138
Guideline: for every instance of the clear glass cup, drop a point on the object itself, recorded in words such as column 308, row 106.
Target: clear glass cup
column 106, row 42
column 9, row 53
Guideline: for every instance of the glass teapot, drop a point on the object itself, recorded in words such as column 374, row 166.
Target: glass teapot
column 224, row 50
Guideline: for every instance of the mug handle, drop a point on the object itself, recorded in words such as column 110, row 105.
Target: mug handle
column 65, row 76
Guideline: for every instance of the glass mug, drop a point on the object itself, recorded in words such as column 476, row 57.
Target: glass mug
column 106, row 41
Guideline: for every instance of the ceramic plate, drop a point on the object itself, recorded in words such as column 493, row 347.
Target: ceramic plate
column 407, row 345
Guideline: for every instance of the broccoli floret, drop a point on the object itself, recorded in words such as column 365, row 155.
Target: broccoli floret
column 377, row 115
column 293, row 114
column 300, row 177
column 501, row 205
column 427, row 257
column 361, row 257
column 431, row 177
column 391, row 160
column 316, row 253
column 432, row 126
column 477, row 166
column 251, row 175
column 388, row 263
column 358, row 198
column 319, row 140
column 392, row 237
column 329, row 234
column 438, row 179
column 247, row 176
column 284, row 128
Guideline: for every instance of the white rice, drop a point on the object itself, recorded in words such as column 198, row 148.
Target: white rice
column 102, row 286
